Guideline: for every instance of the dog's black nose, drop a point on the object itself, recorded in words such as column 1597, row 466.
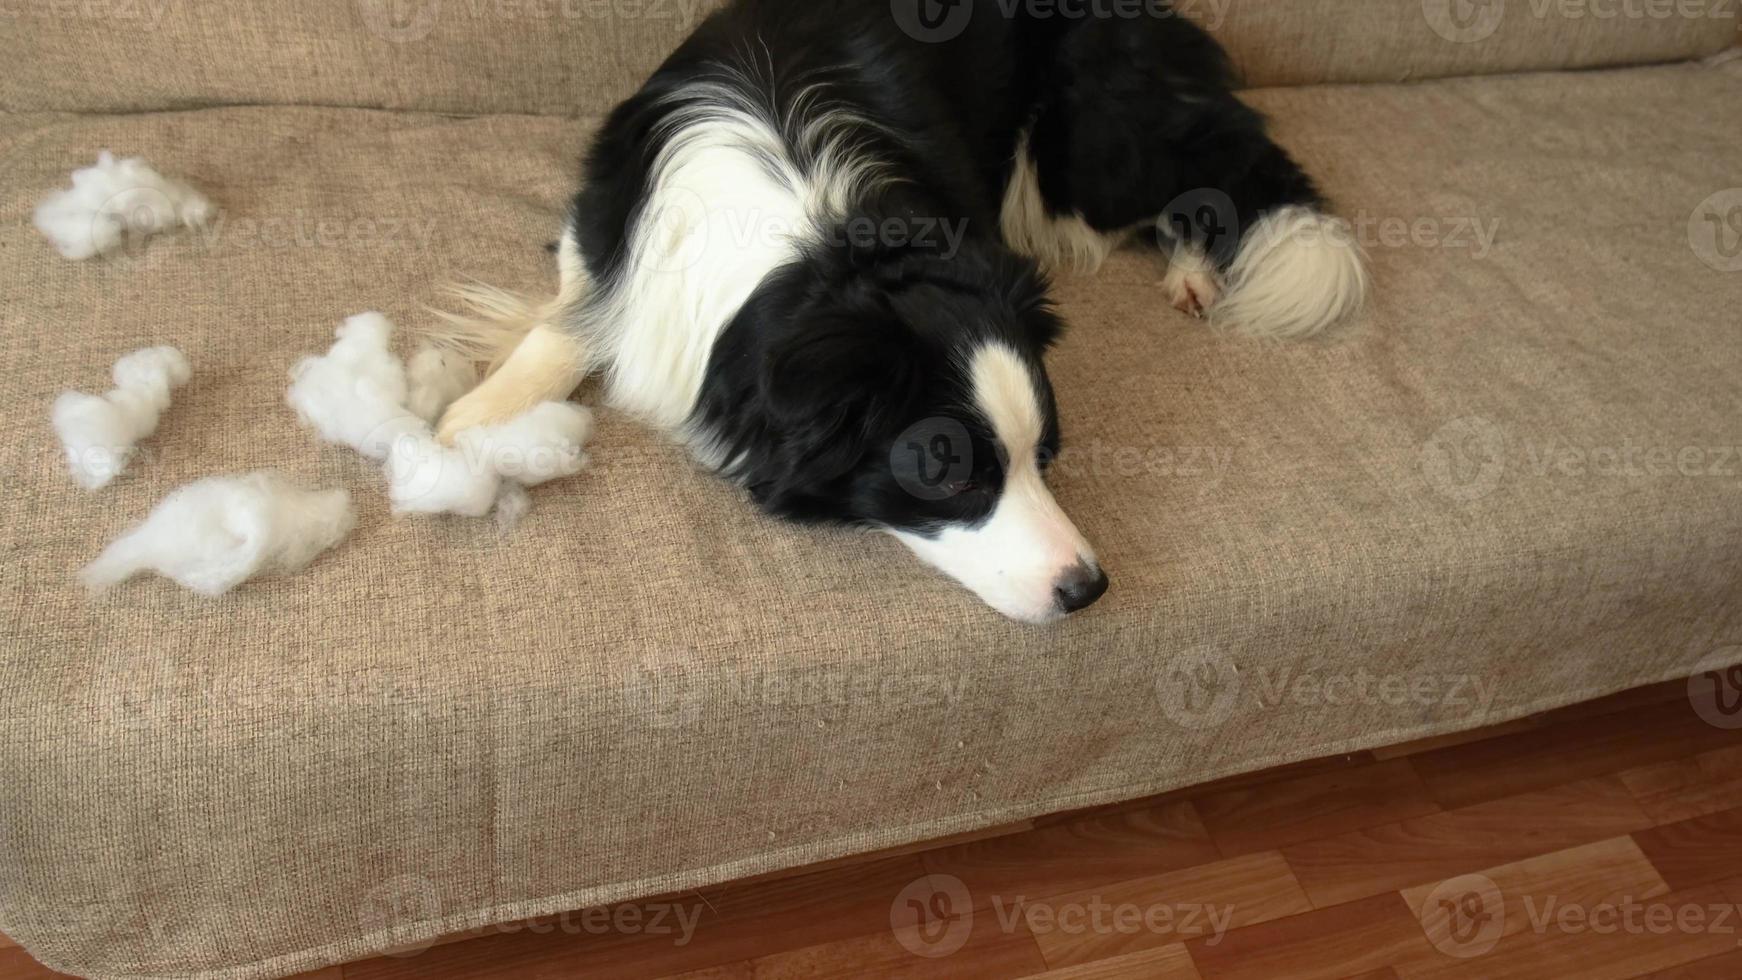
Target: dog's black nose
column 1079, row 587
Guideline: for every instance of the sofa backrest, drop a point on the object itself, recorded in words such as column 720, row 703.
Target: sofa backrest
column 579, row 57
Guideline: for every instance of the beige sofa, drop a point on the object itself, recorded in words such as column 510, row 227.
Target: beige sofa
column 1514, row 484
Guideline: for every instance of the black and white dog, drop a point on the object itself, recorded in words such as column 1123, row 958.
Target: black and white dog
column 808, row 248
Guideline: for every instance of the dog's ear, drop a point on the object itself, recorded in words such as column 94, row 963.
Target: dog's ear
column 837, row 387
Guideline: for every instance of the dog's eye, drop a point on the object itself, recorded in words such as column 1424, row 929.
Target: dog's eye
column 963, row 486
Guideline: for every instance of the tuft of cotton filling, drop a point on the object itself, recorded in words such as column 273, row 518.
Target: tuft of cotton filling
column 512, row 506
column 540, row 446
column 426, row 477
column 354, row 395
column 113, row 199
column 438, row 378
column 99, row 432
column 213, row 535
column 359, row 395
column 469, row 479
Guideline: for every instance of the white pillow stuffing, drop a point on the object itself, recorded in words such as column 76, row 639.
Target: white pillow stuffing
column 543, row 445
column 425, row 477
column 113, row 199
column 355, row 394
column 99, row 432
column 358, row 395
column 438, row 379
column 213, row 535
column 512, row 505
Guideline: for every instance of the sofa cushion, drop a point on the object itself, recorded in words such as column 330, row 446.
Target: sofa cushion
column 1298, row 42
column 1512, row 485
column 580, row 57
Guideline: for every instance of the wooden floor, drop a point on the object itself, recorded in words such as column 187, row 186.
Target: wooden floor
column 1603, row 841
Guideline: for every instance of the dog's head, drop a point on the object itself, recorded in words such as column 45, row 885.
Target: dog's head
column 915, row 401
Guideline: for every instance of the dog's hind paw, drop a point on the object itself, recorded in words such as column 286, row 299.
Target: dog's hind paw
column 1191, row 290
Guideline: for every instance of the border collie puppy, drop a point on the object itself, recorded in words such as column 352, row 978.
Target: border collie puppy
column 808, row 247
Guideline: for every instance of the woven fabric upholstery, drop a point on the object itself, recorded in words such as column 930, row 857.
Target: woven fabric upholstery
column 579, row 57
column 647, row 687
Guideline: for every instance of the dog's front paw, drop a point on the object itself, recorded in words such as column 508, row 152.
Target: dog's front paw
column 482, row 407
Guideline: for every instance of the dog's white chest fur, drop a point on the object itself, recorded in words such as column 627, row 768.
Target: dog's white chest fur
column 725, row 208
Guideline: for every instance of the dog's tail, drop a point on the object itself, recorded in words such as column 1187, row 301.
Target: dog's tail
column 490, row 324
column 1297, row 271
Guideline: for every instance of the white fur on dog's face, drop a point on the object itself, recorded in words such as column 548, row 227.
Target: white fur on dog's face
column 1016, row 559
